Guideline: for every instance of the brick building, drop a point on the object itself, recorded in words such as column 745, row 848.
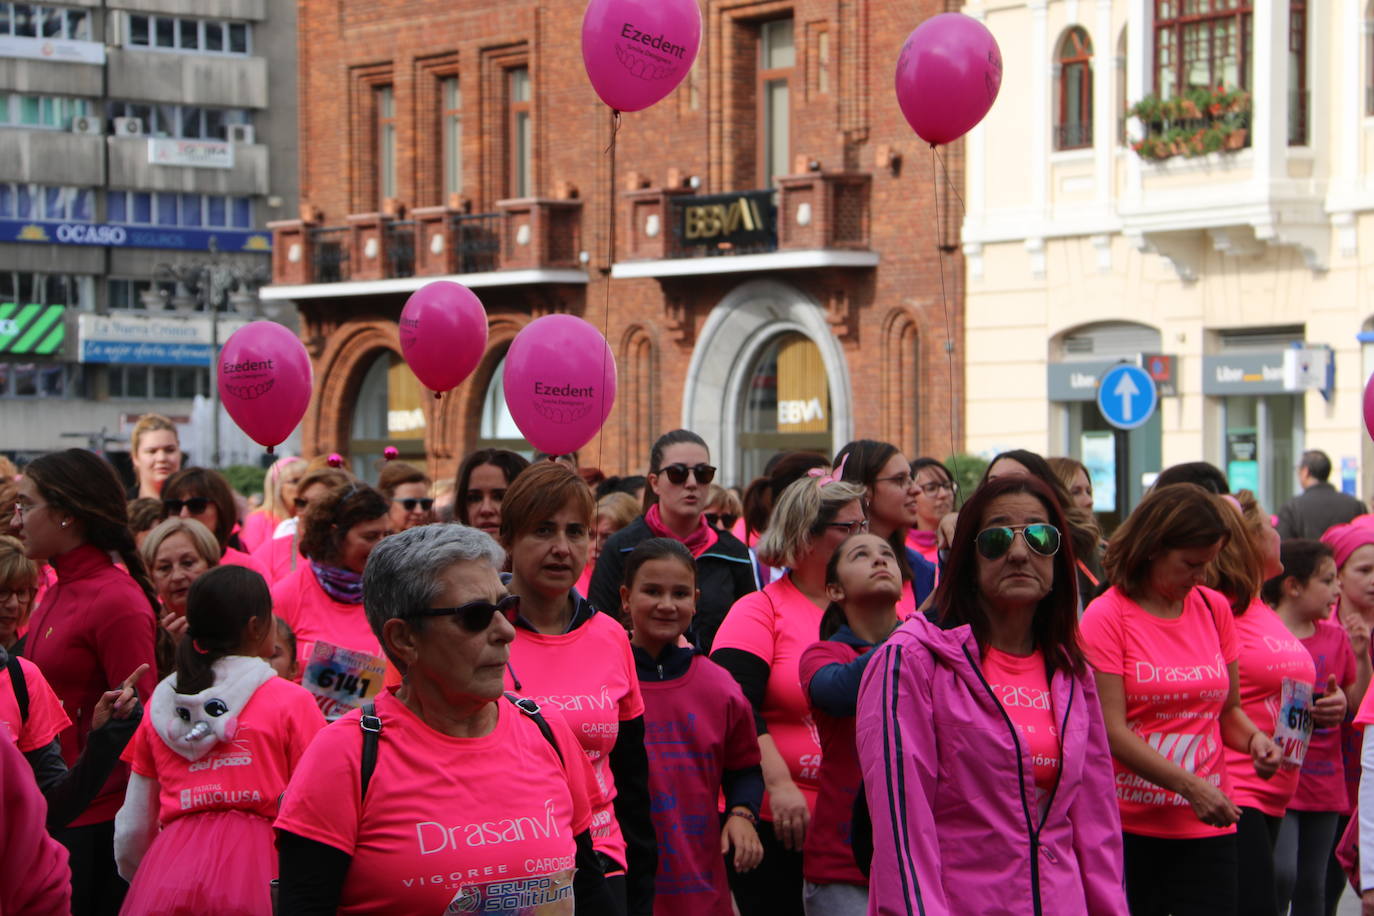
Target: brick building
column 776, row 277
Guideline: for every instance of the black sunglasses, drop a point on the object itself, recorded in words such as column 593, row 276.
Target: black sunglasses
column 475, row 616
column 677, row 473
column 1041, row 537
column 716, row 519
column 410, row 503
column 196, row 505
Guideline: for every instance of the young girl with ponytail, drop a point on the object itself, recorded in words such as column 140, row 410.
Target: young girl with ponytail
column 210, row 759
column 93, row 627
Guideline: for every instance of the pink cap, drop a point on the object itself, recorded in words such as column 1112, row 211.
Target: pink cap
column 1346, row 539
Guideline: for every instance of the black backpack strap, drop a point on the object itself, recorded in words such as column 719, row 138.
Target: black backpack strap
column 371, row 726
column 20, row 687
column 531, row 709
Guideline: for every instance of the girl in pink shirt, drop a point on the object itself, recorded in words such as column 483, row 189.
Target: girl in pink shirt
column 1276, row 692
column 210, row 760
column 278, row 502
column 1164, row 650
column 1302, row 596
column 699, row 733
column 570, row 658
column 760, row 643
column 323, row 599
column 864, row 586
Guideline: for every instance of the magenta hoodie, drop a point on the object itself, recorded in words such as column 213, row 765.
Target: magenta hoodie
column 951, row 790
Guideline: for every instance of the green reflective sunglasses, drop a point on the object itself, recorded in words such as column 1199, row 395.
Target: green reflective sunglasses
column 1041, row 537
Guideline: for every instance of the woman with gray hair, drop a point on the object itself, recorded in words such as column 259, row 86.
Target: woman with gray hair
column 442, row 794
column 760, row 643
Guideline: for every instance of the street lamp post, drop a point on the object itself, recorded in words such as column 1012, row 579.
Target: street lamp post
column 209, row 282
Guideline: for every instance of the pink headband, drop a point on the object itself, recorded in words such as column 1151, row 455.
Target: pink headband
column 823, row 477
column 1346, row 539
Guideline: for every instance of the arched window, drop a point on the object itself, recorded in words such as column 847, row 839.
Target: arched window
column 498, row 429
column 786, row 403
column 1074, row 127
column 389, row 409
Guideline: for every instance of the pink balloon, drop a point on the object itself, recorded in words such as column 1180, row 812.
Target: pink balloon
column 443, row 334
column 1369, row 406
column 948, row 76
column 264, row 380
column 559, row 383
column 637, row 51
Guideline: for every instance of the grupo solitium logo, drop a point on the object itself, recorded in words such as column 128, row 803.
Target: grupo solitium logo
column 248, row 380
column 563, row 403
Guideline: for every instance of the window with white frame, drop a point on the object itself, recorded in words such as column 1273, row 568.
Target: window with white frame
column 190, row 36
column 30, row 20
column 42, row 112
column 187, row 211
column 44, row 289
column 41, row 201
column 126, row 293
column 185, row 122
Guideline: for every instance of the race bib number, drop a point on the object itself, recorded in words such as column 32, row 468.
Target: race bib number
column 342, row 679
column 541, row 895
column 1295, row 721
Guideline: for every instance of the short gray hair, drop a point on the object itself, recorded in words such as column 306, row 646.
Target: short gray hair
column 402, row 572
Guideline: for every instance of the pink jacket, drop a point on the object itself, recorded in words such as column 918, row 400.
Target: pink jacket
column 34, row 877
column 951, row 790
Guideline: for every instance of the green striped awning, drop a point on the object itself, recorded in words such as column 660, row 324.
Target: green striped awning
column 36, row 329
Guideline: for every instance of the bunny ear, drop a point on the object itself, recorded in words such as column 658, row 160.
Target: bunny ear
column 823, row 477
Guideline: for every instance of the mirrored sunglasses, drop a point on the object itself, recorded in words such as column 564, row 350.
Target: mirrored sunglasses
column 1041, row 537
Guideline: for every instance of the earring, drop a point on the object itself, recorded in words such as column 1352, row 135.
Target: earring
column 65, row 522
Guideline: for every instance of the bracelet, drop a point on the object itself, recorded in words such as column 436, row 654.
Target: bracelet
column 745, row 813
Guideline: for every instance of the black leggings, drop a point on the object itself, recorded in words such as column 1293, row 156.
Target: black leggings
column 97, row 889
column 775, row 887
column 1256, row 892
column 1180, row 877
column 1305, row 843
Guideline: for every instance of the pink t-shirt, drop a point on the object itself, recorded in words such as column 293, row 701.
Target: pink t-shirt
column 1274, row 667
column 1023, row 688
column 588, row 675
column 1321, row 787
column 234, row 557
column 280, row 557
column 828, row 855
column 1176, row 681
column 695, row 728
column 448, row 822
column 314, row 616
column 46, row 719
column 776, row 625
column 247, row 773
column 257, row 529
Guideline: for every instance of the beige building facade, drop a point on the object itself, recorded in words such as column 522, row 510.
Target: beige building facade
column 1224, row 242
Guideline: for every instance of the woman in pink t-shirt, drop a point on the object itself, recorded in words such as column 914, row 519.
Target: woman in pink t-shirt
column 211, row 759
column 1302, row 596
column 204, row 495
column 177, row 552
column 935, row 492
column 1164, row 650
column 278, row 502
column 481, row 484
column 323, row 599
column 863, row 585
column 569, row 657
column 281, row 554
column 760, row 643
column 443, row 796
column 1276, row 691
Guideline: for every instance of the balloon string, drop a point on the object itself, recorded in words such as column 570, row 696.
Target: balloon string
column 953, row 188
column 610, row 265
column 940, row 252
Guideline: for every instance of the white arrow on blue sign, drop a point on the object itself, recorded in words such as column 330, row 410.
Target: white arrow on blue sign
column 1127, row 396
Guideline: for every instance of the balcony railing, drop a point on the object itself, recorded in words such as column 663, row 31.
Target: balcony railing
column 712, row 225
column 526, row 234
column 1073, row 136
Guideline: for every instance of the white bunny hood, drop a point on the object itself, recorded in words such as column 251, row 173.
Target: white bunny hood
column 193, row 724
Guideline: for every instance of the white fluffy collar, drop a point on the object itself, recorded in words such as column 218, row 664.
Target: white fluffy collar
column 193, row 724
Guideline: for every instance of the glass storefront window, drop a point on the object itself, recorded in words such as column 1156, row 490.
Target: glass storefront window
column 389, row 410
column 786, row 404
column 1261, row 446
column 498, row 429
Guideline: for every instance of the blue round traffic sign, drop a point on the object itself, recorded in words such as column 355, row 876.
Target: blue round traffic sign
column 1127, row 396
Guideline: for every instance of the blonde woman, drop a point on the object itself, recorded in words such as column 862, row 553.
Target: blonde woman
column 278, row 502
column 155, row 452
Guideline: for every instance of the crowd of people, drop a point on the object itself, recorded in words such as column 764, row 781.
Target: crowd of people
column 847, row 688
